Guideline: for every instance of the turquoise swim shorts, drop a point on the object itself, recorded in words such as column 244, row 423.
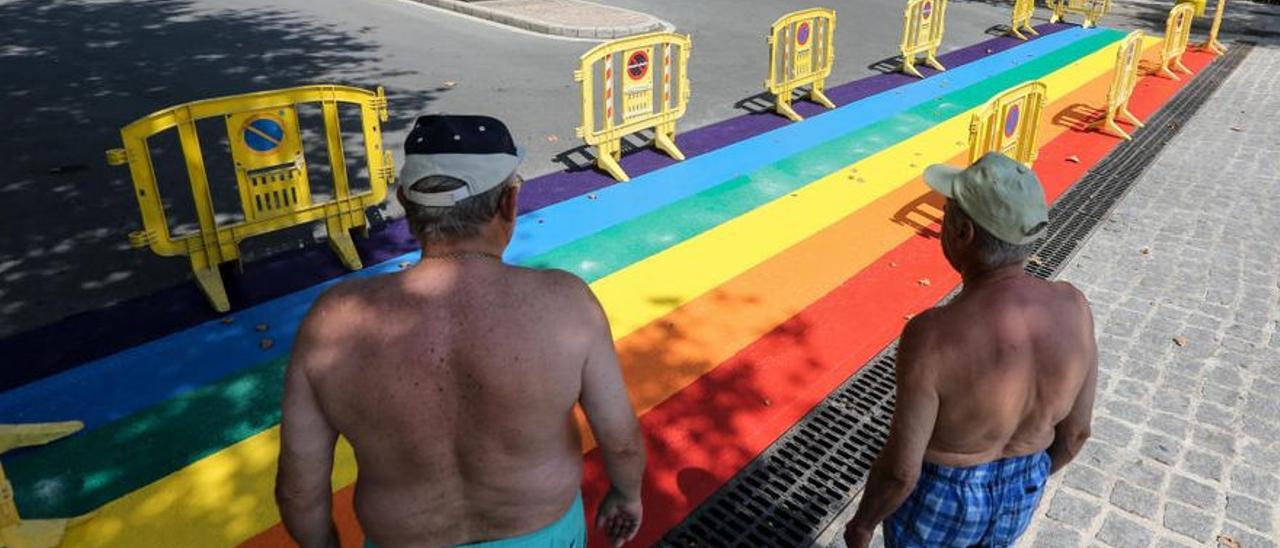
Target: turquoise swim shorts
column 570, row 531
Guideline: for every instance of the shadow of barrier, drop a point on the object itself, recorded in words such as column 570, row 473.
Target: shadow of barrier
column 923, row 22
column 1123, row 81
column 1092, row 10
column 801, row 52
column 1009, row 124
column 270, row 172
column 1021, row 19
column 16, row 532
column 608, row 116
column 1177, row 32
column 1211, row 44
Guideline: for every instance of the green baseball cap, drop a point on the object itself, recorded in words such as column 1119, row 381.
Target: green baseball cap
column 999, row 193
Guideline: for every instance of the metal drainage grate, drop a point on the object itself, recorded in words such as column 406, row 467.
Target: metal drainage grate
column 793, row 490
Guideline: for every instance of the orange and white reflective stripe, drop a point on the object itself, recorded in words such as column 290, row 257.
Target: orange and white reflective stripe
column 608, row 90
column 666, row 76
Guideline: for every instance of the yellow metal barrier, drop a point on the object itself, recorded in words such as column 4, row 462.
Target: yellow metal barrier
column 16, row 532
column 1201, row 6
column 1009, row 124
column 1177, row 32
column 801, row 52
column 1211, row 43
column 1092, row 10
column 1021, row 20
column 270, row 170
column 641, row 105
column 1122, row 83
column 922, row 25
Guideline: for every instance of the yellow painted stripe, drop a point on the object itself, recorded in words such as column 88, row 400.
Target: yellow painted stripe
column 226, row 498
column 649, row 289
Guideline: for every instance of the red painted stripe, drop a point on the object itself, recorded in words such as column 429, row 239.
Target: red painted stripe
column 703, row 435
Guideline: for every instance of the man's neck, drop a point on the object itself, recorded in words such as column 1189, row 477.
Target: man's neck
column 974, row 280
column 478, row 247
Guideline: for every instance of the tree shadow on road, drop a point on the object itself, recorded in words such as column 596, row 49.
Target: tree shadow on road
column 76, row 72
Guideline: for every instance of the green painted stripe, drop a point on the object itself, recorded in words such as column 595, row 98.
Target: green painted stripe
column 82, row 473
column 79, row 474
column 612, row 249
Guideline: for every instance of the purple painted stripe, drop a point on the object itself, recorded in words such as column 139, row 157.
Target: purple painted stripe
column 90, row 335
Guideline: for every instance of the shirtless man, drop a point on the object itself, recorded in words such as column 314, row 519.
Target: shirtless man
column 995, row 389
column 455, row 380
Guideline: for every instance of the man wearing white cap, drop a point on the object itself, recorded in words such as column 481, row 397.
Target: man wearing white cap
column 455, row 381
column 995, row 388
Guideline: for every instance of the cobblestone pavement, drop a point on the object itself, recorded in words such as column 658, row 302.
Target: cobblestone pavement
column 1184, row 279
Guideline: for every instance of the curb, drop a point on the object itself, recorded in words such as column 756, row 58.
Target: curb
column 548, row 27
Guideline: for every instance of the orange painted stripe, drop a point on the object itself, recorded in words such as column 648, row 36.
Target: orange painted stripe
column 668, row 354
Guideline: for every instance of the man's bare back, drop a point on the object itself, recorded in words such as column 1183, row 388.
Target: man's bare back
column 457, row 392
column 1010, row 360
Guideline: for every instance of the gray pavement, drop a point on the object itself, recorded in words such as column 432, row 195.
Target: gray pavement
column 77, row 70
column 1185, row 284
column 1184, row 280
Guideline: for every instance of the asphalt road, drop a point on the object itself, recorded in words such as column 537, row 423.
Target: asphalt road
column 75, row 71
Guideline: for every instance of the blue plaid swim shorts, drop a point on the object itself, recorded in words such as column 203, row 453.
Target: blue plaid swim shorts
column 985, row 505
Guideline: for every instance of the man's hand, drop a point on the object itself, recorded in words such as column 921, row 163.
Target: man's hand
column 619, row 517
column 855, row 537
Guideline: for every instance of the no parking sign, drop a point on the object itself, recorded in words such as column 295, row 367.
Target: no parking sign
column 637, row 83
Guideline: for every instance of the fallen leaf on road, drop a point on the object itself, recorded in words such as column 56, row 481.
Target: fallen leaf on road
column 1145, row 251
column 893, row 264
column 925, row 282
column 1035, row 259
column 1180, row 341
column 228, row 319
column 1236, row 129
column 767, row 402
column 261, row 327
column 450, row 84
column 266, row 344
column 553, row 138
column 592, row 196
column 1228, row 541
column 405, row 264
column 908, row 317
column 1073, row 159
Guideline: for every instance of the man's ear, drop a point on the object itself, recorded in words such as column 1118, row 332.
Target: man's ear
column 966, row 232
column 509, row 204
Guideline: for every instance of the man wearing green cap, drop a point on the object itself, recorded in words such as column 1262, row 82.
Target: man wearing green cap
column 995, row 388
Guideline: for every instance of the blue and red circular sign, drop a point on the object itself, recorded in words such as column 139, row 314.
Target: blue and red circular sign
column 638, row 65
column 926, row 10
column 1011, row 120
column 802, row 33
column 263, row 134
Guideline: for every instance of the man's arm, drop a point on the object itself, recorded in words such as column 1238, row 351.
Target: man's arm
column 617, row 431
column 896, row 470
column 303, row 490
column 1070, row 434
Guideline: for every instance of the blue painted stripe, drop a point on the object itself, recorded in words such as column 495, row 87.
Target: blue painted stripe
column 118, row 385
column 582, row 216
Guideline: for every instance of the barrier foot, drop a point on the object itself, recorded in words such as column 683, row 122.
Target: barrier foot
column 607, row 161
column 1016, row 33
column 785, row 109
column 664, row 139
column 13, row 436
column 816, row 95
column 1055, row 18
column 1131, row 118
column 1032, row 30
column 1178, row 63
column 1109, row 124
column 1164, row 69
column 932, row 61
column 909, row 67
column 35, row 533
column 210, row 282
column 1214, row 46
column 342, row 244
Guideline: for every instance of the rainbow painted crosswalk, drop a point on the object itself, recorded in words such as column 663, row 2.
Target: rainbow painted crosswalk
column 742, row 285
